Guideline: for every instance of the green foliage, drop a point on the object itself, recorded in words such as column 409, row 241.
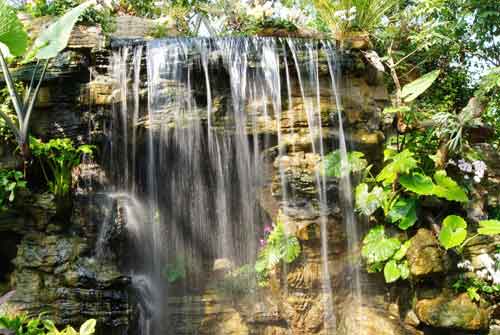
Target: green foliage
column 414, row 89
column 22, row 325
column 394, row 271
column 12, row 35
column 48, row 44
column 399, row 163
column 452, row 126
column 489, row 227
column 10, row 182
column 7, row 109
column 144, row 8
column 332, row 165
column 453, row 232
column 175, row 271
column 340, row 17
column 447, row 188
column 377, row 247
column 417, row 183
column 400, row 189
column 54, row 39
column 280, row 246
column 387, row 254
column 404, row 212
column 476, row 288
column 61, row 156
column 489, row 93
column 56, row 8
column 367, row 202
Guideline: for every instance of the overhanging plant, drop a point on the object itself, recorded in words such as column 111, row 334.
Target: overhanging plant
column 14, row 43
column 61, row 156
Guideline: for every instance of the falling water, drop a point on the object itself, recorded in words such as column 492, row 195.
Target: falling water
column 345, row 181
column 189, row 178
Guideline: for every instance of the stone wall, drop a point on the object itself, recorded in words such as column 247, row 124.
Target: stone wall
column 55, row 270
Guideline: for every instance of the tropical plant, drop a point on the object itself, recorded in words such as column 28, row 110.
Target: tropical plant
column 398, row 187
column 14, row 42
column 10, row 182
column 61, row 156
column 22, row 325
column 354, row 15
column 92, row 15
column 332, row 165
column 453, row 232
column 385, row 254
column 279, row 246
column 87, row 328
column 476, row 288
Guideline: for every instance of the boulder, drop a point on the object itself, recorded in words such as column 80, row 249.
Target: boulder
column 366, row 320
column 425, row 256
column 447, row 310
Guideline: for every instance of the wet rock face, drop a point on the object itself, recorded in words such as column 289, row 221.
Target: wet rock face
column 54, row 274
column 453, row 311
column 425, row 255
column 365, row 320
column 55, row 270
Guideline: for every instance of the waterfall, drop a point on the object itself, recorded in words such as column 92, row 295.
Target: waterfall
column 192, row 157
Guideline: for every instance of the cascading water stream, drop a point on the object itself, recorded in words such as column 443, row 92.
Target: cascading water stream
column 313, row 112
column 345, row 180
column 190, row 177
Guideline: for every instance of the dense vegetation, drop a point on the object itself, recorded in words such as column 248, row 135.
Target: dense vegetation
column 22, row 325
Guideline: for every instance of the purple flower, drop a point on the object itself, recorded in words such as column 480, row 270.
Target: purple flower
column 267, row 229
column 262, row 242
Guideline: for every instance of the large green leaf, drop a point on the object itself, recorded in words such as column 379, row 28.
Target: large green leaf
column 377, row 247
column 404, row 269
column 70, row 331
column 417, row 183
column 401, row 253
column 448, row 188
column 412, row 90
column 391, row 271
column 489, row 227
column 401, row 163
column 368, row 202
column 332, row 164
column 453, row 232
column 55, row 38
column 88, row 328
column 12, row 33
column 404, row 211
